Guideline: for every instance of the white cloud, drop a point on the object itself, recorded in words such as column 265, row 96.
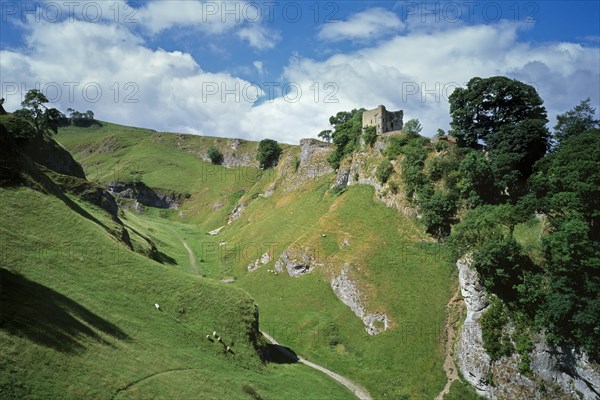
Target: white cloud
column 414, row 72
column 365, row 25
column 107, row 69
column 259, row 37
column 259, row 67
column 205, row 16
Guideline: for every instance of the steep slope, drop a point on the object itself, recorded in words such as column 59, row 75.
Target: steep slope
column 344, row 280
column 77, row 314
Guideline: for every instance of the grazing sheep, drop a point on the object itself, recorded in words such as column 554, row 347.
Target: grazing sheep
column 219, row 339
column 208, row 337
column 227, row 349
column 215, row 333
column 157, row 306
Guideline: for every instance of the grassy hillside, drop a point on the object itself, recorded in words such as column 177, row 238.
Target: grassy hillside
column 399, row 270
column 78, row 318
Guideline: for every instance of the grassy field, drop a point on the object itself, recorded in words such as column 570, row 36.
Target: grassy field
column 398, row 269
column 78, row 319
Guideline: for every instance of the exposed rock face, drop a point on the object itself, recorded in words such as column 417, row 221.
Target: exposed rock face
column 236, row 212
column 297, row 261
column 345, row 289
column 471, row 358
column 265, row 258
column 562, row 372
column 145, row 195
column 313, row 164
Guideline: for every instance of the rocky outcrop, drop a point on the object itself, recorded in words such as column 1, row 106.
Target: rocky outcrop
column 345, row 289
column 297, row 261
column 558, row 373
column 311, row 165
column 145, row 195
column 264, row 259
column 236, row 212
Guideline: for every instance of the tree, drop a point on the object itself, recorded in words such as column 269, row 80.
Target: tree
column 412, row 127
column 476, row 183
column 438, row 211
column 215, row 155
column 268, row 153
column 325, row 135
column 370, row 135
column 347, row 129
column 514, row 149
column 575, row 121
column 44, row 119
column 486, row 105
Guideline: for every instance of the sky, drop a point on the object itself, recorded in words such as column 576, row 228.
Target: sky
column 279, row 69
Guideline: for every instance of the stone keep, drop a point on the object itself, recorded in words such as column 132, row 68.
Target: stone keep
column 383, row 120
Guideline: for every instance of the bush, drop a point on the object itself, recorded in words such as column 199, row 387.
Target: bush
column 384, row 171
column 495, row 343
column 16, row 127
column 215, row 155
column 393, row 187
column 370, row 135
column 394, row 147
column 296, row 163
column 268, row 153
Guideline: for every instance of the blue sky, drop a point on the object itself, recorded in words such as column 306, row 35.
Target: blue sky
column 279, row 69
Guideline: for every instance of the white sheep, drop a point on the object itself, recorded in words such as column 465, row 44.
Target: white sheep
column 215, row 333
column 227, row 349
column 219, row 339
column 208, row 337
column 157, row 306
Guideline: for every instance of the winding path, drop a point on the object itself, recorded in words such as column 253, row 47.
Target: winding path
column 191, row 257
column 355, row 389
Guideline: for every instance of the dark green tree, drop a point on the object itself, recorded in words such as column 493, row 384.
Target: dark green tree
column 347, row 130
column 268, row 153
column 486, row 105
column 325, row 135
column 575, row 121
column 44, row 119
column 215, row 155
column 438, row 213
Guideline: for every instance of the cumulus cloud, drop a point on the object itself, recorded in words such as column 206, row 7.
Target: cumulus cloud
column 259, row 37
column 365, row 25
column 206, row 16
column 107, row 69
column 170, row 91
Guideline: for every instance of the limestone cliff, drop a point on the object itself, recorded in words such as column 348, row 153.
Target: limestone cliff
column 557, row 373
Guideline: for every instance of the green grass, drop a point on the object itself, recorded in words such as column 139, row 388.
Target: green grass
column 78, row 318
column 399, row 270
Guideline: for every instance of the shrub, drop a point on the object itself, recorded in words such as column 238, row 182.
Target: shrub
column 495, row 343
column 393, row 187
column 296, row 163
column 384, row 171
column 268, row 153
column 394, row 147
column 215, row 155
column 16, row 127
column 370, row 135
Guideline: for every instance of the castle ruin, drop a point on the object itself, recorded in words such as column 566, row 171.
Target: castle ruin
column 383, row 120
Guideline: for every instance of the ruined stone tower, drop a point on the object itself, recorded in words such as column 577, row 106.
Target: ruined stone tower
column 383, row 120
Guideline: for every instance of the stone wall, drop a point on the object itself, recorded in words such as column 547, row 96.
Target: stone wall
column 383, row 120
